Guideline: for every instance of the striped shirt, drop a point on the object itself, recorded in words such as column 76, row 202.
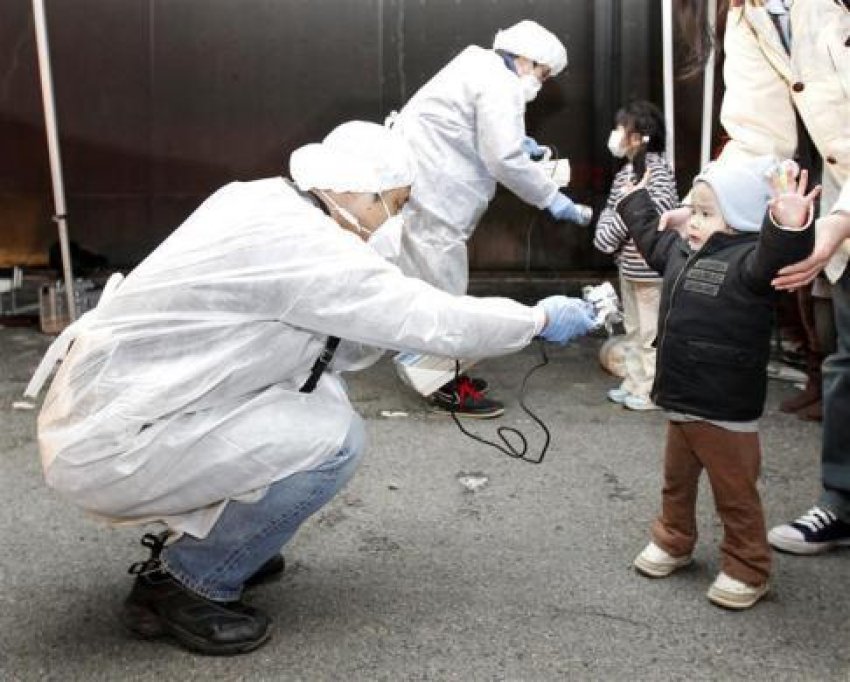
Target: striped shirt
column 612, row 235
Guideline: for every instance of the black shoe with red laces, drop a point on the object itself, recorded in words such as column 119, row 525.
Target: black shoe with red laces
column 464, row 399
column 478, row 384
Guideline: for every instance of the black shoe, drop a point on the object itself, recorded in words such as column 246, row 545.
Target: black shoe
column 466, row 401
column 479, row 385
column 271, row 570
column 160, row 606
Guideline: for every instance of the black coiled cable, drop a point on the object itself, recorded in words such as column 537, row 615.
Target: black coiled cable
column 507, row 448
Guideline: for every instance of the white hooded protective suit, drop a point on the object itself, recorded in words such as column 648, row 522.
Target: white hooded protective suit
column 181, row 390
column 465, row 128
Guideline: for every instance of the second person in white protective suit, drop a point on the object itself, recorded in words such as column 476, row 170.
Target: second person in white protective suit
column 466, row 128
column 204, row 391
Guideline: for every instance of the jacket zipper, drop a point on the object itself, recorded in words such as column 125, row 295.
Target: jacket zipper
column 660, row 365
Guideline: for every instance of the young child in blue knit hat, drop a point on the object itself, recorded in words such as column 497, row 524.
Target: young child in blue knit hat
column 748, row 220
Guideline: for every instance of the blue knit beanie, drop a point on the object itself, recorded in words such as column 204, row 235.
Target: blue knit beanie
column 742, row 189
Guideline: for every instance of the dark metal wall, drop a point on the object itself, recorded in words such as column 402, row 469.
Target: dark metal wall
column 161, row 101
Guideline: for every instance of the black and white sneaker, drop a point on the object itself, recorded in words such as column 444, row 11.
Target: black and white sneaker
column 815, row 532
column 464, row 400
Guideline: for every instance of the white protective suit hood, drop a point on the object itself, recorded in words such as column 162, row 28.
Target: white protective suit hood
column 530, row 40
column 354, row 157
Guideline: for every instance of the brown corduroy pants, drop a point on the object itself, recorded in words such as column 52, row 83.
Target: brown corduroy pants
column 732, row 461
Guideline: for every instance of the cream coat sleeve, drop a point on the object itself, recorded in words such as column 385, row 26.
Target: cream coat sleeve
column 757, row 110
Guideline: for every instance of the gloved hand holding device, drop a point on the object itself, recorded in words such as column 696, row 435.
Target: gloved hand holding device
column 563, row 208
column 566, row 318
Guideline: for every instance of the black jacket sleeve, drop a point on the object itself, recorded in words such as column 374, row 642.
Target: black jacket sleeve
column 641, row 217
column 776, row 249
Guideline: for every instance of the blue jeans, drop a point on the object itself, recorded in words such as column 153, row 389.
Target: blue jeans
column 247, row 535
column 835, row 455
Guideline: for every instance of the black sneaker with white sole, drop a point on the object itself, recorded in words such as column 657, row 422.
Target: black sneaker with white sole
column 815, row 532
column 464, row 400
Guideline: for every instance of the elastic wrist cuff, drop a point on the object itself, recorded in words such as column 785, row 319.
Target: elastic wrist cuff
column 539, row 317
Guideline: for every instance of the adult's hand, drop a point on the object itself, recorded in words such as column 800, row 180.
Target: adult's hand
column 564, row 208
column 830, row 233
column 566, row 318
column 537, row 152
column 675, row 219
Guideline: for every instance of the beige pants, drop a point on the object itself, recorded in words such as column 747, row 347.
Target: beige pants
column 640, row 318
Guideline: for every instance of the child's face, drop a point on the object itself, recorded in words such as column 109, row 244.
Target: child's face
column 706, row 218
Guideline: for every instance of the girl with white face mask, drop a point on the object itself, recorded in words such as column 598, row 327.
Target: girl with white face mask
column 638, row 138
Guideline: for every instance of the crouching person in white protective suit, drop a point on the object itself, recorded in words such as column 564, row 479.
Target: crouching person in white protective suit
column 204, row 393
column 466, row 127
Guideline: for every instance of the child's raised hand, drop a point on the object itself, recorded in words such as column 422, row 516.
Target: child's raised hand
column 791, row 206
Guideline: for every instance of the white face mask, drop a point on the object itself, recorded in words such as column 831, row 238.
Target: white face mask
column 348, row 216
column 386, row 239
column 530, row 86
column 615, row 143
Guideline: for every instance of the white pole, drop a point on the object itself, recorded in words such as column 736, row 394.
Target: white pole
column 708, row 92
column 669, row 101
column 53, row 148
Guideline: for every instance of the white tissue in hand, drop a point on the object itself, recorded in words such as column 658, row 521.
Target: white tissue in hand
column 606, row 303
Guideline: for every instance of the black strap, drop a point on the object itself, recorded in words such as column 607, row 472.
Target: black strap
column 327, row 353
column 320, row 365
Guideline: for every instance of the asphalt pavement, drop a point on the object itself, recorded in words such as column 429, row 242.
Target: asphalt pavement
column 443, row 559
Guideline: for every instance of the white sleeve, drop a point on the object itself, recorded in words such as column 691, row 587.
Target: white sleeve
column 500, row 129
column 345, row 289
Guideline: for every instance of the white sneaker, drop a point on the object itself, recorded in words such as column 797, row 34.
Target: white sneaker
column 654, row 562
column 639, row 403
column 733, row 594
column 618, row 395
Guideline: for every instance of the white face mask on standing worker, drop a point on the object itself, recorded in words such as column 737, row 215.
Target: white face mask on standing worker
column 530, row 86
column 535, row 55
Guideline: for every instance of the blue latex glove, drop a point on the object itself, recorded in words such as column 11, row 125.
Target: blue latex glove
column 534, row 150
column 566, row 318
column 563, row 208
